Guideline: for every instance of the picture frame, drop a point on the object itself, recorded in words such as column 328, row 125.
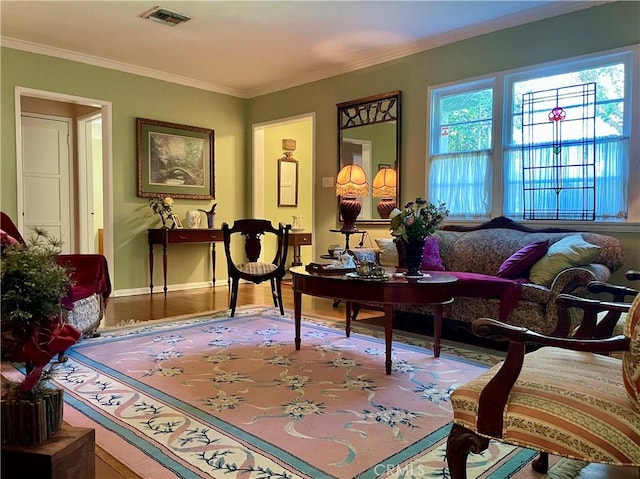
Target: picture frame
column 382, row 166
column 287, row 181
column 175, row 160
column 176, row 222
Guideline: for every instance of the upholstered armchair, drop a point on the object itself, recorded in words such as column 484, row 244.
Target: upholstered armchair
column 567, row 398
column 91, row 286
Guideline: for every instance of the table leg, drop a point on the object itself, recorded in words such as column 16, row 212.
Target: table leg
column 150, row 268
column 297, row 314
column 347, row 328
column 213, row 264
column 437, row 330
column 388, row 335
column 296, row 256
column 164, row 267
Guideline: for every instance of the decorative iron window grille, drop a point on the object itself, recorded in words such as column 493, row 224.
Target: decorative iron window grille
column 558, row 153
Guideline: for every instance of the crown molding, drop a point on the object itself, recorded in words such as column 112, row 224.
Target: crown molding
column 555, row 8
column 115, row 65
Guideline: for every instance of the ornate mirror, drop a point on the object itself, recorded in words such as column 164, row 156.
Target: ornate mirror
column 369, row 136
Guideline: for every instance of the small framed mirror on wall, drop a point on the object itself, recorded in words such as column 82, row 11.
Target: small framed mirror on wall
column 369, row 137
column 287, row 180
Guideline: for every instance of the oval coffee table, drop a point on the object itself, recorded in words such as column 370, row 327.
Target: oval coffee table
column 433, row 288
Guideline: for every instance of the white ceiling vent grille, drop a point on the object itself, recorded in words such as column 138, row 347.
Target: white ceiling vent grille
column 165, row 16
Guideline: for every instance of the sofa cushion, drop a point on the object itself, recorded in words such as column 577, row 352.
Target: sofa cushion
column 519, row 263
column 631, row 358
column 388, row 252
column 570, row 251
column 431, row 260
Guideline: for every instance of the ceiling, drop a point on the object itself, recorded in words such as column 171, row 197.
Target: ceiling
column 250, row 48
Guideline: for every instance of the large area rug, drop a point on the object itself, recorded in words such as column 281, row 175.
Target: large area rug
column 232, row 398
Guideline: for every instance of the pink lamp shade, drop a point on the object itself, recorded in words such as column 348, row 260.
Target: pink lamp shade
column 351, row 183
column 384, row 187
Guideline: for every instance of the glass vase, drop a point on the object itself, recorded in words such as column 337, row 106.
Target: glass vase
column 413, row 251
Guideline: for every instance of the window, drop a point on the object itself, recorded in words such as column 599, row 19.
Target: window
column 477, row 140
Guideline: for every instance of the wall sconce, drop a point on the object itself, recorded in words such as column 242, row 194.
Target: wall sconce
column 384, row 187
column 351, row 183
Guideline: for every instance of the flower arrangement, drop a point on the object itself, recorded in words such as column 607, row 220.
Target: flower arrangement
column 34, row 292
column 162, row 206
column 418, row 220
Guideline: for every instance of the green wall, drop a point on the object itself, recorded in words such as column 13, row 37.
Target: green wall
column 595, row 29
column 600, row 28
column 135, row 96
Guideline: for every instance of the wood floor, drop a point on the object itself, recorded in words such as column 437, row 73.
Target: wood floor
column 187, row 303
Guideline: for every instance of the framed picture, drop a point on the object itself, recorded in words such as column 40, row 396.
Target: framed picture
column 174, row 160
column 176, row 222
column 287, row 181
column 382, row 166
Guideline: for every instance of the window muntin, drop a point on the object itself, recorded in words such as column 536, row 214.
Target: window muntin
column 503, row 173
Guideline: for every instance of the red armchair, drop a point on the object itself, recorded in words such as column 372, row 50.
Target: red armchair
column 90, row 277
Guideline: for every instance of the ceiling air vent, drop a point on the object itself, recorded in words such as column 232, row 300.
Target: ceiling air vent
column 165, row 16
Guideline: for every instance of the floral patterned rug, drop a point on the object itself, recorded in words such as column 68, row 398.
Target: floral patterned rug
column 232, row 398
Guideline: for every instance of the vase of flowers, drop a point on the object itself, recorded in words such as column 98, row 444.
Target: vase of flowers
column 162, row 206
column 34, row 293
column 412, row 225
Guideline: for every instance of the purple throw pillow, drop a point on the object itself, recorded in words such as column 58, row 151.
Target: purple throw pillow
column 519, row 264
column 431, row 260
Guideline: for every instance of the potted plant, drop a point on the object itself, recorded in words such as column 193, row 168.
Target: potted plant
column 412, row 225
column 34, row 292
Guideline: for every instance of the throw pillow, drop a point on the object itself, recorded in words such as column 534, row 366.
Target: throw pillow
column 388, row 252
column 570, row 251
column 519, row 263
column 431, row 260
column 631, row 358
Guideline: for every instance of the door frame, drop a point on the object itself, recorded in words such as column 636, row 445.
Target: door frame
column 107, row 158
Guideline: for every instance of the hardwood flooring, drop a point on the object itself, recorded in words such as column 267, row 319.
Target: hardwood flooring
column 187, row 303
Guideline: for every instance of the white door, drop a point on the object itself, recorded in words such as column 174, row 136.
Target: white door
column 46, row 186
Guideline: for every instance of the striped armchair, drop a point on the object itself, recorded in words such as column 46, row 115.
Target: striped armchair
column 565, row 398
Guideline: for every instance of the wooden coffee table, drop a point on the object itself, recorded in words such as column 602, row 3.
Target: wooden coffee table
column 436, row 289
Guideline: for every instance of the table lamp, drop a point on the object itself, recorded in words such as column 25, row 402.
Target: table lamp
column 384, row 187
column 351, row 183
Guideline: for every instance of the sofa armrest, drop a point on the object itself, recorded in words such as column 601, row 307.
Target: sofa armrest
column 571, row 281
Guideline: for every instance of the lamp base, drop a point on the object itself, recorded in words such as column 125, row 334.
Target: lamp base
column 349, row 209
column 385, row 207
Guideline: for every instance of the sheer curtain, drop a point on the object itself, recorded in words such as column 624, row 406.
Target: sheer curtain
column 611, row 172
column 463, row 181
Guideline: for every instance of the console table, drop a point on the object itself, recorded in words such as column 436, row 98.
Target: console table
column 436, row 289
column 164, row 237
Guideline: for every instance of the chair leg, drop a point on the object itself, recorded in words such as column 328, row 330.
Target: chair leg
column 541, row 463
column 234, row 296
column 279, row 290
column 460, row 443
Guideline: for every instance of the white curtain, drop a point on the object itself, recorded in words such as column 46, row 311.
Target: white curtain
column 611, row 176
column 463, row 181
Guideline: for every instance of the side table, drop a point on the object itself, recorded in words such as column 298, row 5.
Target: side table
column 296, row 240
column 348, row 233
column 70, row 454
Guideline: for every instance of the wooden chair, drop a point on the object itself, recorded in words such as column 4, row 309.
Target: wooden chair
column 566, row 398
column 252, row 268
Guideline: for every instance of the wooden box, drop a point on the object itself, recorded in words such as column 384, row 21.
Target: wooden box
column 69, row 454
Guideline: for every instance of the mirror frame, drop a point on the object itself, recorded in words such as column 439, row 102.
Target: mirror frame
column 382, row 108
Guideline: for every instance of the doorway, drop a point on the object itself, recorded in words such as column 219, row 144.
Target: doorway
column 89, row 205
column 268, row 148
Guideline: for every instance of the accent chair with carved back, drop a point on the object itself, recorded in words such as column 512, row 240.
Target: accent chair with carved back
column 249, row 266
